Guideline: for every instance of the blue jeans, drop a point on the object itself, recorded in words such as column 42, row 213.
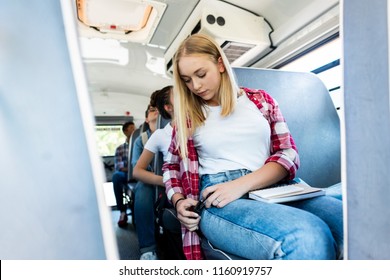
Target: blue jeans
column 119, row 182
column 144, row 216
column 306, row 229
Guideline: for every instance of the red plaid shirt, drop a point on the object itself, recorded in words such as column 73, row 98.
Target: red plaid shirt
column 183, row 176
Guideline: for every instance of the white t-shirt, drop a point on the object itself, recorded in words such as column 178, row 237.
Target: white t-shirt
column 241, row 140
column 160, row 140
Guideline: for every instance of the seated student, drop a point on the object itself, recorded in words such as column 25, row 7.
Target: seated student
column 151, row 116
column 119, row 177
column 159, row 141
column 228, row 141
column 144, row 193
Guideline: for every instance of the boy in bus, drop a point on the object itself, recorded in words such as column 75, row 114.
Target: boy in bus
column 151, row 116
column 227, row 142
column 119, row 178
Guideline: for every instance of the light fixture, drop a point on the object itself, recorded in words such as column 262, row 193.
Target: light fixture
column 134, row 20
column 113, row 16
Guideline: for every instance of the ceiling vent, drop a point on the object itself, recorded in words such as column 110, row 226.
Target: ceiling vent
column 242, row 35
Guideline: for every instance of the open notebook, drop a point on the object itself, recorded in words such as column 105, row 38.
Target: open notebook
column 295, row 189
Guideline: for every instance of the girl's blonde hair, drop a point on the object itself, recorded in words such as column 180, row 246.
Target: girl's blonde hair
column 189, row 113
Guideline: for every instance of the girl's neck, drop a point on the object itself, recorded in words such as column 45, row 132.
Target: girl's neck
column 153, row 126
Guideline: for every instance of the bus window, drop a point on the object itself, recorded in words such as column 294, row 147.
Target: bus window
column 324, row 61
column 108, row 138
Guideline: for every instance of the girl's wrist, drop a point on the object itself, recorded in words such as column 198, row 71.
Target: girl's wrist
column 177, row 201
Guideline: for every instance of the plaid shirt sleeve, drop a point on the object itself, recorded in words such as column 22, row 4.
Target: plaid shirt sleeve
column 283, row 148
column 121, row 156
column 171, row 169
column 183, row 177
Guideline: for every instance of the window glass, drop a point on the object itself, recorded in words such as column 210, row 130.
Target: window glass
column 336, row 98
column 331, row 77
column 109, row 137
column 325, row 62
column 318, row 57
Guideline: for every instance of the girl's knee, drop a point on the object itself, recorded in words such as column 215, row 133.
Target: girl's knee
column 312, row 239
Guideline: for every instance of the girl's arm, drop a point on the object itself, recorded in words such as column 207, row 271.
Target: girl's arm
column 141, row 173
column 174, row 190
column 171, row 171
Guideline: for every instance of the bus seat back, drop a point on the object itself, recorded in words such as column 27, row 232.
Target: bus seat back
column 310, row 115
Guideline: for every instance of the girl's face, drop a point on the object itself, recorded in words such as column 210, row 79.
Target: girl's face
column 202, row 76
column 152, row 114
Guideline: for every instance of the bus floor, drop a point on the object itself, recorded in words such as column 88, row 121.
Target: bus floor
column 126, row 237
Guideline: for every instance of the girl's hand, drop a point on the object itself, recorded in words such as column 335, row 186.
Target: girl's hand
column 222, row 194
column 188, row 218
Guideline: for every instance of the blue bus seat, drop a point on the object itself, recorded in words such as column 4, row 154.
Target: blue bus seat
column 133, row 136
column 61, row 212
column 311, row 117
